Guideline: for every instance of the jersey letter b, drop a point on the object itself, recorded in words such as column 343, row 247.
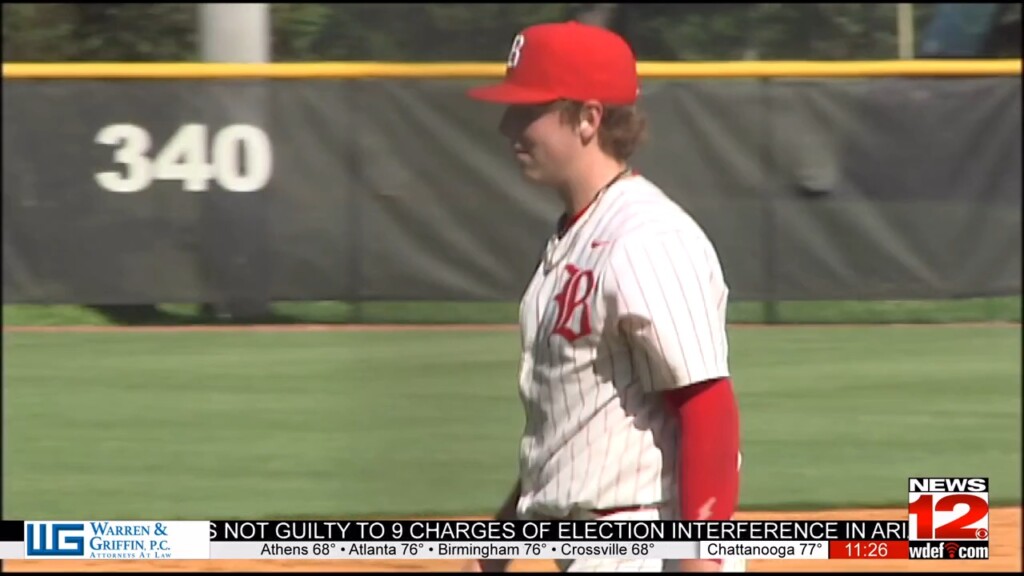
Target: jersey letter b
column 573, row 301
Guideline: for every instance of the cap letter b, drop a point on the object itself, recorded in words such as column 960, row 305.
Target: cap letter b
column 513, row 54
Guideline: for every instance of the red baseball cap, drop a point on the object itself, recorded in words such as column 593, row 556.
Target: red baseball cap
column 566, row 60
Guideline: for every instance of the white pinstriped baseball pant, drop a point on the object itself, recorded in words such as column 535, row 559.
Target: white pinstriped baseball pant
column 640, row 564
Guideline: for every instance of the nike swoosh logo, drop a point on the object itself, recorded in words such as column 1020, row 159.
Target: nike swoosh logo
column 599, row 243
column 705, row 511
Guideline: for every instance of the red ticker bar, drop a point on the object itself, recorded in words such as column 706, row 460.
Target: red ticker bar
column 868, row 549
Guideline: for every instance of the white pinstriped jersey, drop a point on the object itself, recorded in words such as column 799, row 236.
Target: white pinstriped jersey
column 631, row 301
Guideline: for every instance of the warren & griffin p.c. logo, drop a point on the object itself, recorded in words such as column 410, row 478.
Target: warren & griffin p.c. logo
column 54, row 539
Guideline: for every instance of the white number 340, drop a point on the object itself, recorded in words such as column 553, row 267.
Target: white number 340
column 185, row 158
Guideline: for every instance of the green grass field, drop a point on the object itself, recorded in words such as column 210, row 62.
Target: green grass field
column 1005, row 309
column 195, row 425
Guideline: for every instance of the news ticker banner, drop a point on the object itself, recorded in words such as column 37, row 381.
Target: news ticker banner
column 947, row 519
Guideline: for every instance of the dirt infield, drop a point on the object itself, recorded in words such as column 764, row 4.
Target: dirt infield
column 271, row 328
column 1005, row 550
column 284, row 328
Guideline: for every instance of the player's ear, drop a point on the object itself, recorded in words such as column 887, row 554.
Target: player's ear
column 591, row 113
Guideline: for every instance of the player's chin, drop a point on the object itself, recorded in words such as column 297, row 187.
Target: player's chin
column 531, row 174
column 535, row 173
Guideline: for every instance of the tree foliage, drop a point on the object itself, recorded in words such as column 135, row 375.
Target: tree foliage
column 89, row 32
column 449, row 32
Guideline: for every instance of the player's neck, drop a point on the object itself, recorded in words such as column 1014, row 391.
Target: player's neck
column 590, row 178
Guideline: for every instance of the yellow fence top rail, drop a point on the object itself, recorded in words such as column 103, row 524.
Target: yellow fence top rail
column 351, row 70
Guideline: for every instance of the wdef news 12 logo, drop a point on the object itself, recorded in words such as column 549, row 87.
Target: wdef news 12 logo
column 100, row 540
column 948, row 518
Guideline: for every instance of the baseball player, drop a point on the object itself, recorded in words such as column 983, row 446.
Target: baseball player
column 624, row 375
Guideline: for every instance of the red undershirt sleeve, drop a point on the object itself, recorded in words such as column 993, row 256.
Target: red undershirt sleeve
column 708, row 461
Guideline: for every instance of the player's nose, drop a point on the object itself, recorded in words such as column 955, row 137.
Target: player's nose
column 516, row 119
column 508, row 125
